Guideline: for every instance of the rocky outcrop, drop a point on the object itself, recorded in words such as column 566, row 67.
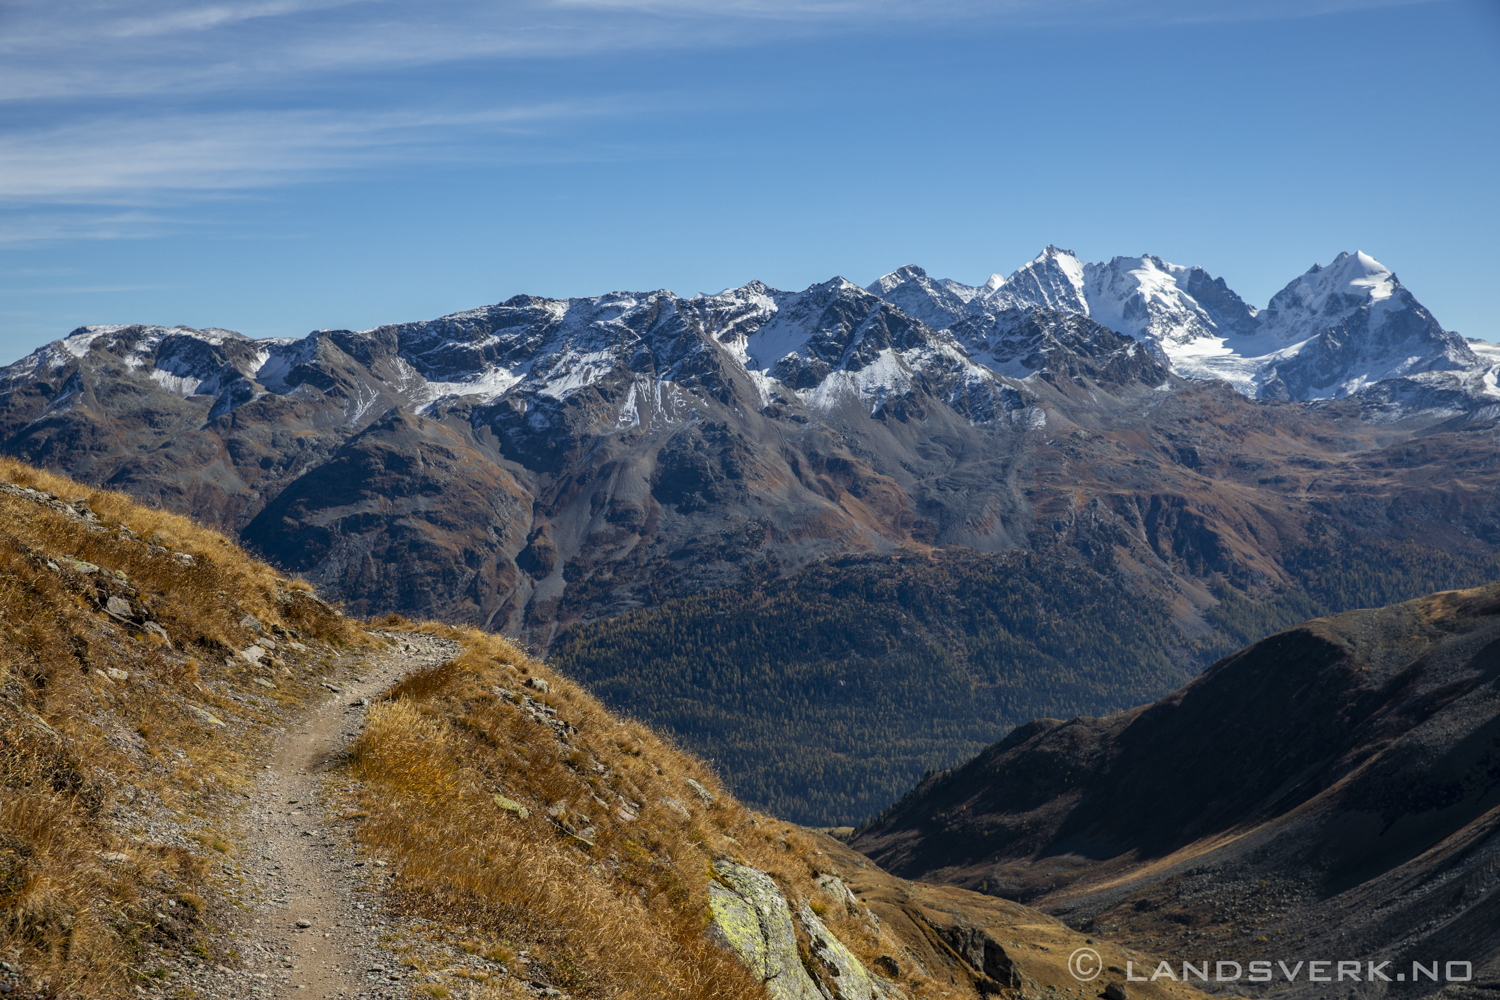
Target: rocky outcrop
column 749, row 915
column 979, row 949
column 839, row 973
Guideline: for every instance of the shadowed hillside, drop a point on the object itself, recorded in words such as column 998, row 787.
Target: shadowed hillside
column 1333, row 790
column 826, row 693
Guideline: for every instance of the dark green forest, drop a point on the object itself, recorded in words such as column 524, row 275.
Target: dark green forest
column 823, row 696
column 1334, row 574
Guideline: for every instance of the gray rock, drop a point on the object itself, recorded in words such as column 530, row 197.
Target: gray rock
column 537, row 684
column 846, row 978
column 118, row 606
column 839, row 892
column 251, row 622
column 152, row 628
column 1114, row 991
column 703, row 793
column 749, row 916
column 975, row 946
column 206, row 716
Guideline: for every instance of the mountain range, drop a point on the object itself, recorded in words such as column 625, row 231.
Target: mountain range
column 516, row 440
column 541, row 467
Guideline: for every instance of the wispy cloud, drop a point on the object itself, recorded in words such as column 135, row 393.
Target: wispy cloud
column 63, row 223
column 119, row 158
column 85, row 290
column 111, row 108
column 72, row 48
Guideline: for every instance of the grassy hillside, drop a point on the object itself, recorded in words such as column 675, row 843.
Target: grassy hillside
column 827, row 693
column 116, row 625
column 604, row 879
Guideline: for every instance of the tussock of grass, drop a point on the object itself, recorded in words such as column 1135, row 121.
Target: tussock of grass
column 77, row 894
column 604, row 880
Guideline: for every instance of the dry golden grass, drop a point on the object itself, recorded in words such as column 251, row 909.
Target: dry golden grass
column 620, row 913
column 76, row 893
column 604, row 883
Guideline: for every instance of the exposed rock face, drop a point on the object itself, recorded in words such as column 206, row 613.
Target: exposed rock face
column 843, row 976
column 1324, row 788
column 750, row 915
column 982, row 952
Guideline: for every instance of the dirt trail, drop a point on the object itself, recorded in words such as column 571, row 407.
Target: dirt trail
column 306, row 872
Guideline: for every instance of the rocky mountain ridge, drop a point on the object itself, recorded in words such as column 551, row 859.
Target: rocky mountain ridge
column 1334, row 332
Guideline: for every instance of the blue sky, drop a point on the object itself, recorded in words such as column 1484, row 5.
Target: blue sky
column 275, row 166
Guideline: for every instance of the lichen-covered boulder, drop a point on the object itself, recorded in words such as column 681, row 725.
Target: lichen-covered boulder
column 749, row 915
column 838, row 892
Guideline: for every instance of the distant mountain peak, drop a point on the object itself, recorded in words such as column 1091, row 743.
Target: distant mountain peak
column 1337, row 330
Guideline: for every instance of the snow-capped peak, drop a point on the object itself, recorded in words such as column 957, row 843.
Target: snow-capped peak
column 898, row 277
column 1333, row 331
column 1325, row 295
column 939, row 304
column 1054, row 280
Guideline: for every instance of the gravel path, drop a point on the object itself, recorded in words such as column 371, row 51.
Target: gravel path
column 313, row 934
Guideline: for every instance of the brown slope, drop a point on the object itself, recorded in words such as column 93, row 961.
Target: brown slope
column 1326, row 788
column 406, row 514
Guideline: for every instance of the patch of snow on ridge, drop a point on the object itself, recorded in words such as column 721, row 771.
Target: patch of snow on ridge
column 177, row 385
column 872, row 385
column 488, row 385
column 793, row 324
column 80, row 342
column 275, row 361
column 573, row 370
